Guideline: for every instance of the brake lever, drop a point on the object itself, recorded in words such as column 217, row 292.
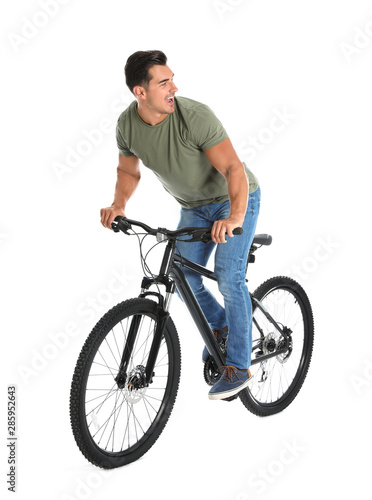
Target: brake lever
column 114, row 227
column 200, row 235
column 121, row 224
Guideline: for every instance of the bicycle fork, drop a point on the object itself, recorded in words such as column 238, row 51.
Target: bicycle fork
column 144, row 377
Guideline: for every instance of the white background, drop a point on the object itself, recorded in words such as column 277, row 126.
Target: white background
column 246, row 60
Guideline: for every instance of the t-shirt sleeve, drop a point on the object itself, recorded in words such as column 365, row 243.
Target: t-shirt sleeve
column 206, row 130
column 123, row 148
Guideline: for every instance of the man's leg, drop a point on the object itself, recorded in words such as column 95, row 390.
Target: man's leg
column 200, row 252
column 230, row 265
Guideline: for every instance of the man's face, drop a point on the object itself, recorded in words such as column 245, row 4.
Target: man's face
column 159, row 96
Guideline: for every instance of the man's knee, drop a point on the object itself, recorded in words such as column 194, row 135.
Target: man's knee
column 229, row 281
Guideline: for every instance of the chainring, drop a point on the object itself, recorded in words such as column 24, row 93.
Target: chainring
column 211, row 372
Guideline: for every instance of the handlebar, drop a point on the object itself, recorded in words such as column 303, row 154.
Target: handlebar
column 198, row 233
column 123, row 224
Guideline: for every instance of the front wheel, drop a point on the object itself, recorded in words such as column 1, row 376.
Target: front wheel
column 278, row 379
column 115, row 424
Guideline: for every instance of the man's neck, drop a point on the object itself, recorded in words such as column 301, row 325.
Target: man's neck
column 150, row 117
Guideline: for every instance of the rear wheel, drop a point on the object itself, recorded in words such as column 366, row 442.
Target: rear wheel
column 114, row 425
column 278, row 380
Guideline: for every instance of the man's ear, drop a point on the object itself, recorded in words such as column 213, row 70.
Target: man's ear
column 139, row 91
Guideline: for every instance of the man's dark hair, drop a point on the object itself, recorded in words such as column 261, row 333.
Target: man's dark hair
column 138, row 64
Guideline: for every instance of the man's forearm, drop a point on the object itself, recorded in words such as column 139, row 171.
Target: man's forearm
column 126, row 184
column 238, row 188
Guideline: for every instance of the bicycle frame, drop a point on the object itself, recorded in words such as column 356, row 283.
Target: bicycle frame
column 198, row 315
column 171, row 276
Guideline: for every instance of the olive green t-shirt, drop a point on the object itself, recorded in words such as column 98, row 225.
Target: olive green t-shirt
column 174, row 150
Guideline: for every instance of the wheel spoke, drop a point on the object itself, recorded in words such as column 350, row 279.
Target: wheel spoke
column 118, row 418
column 276, row 379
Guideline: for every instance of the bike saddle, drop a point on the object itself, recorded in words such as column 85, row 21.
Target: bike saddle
column 262, row 239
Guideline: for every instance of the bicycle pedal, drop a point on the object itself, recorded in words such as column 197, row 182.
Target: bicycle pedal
column 231, row 398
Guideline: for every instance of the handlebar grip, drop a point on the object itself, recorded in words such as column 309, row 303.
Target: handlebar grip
column 120, row 224
column 206, row 237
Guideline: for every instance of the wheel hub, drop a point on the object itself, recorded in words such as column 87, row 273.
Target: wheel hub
column 135, row 387
column 269, row 344
column 284, row 356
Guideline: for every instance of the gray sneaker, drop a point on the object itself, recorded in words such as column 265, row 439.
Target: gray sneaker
column 221, row 336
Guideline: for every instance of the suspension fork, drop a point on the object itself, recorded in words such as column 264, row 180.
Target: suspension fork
column 162, row 316
column 128, row 349
column 161, row 319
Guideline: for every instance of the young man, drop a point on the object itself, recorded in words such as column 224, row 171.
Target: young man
column 188, row 149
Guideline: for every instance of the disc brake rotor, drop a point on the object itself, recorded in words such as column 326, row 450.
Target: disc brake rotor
column 134, row 389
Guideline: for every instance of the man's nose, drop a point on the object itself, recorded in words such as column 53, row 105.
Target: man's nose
column 174, row 88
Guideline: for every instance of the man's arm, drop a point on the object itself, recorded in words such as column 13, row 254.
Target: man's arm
column 224, row 158
column 127, row 181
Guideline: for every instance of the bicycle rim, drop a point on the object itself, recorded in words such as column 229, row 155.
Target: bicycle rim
column 277, row 380
column 118, row 425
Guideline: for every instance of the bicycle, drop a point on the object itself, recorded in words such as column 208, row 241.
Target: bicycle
column 127, row 375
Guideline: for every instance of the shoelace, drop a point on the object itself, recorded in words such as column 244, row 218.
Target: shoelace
column 229, row 372
column 218, row 333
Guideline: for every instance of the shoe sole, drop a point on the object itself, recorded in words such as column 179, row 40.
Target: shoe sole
column 231, row 392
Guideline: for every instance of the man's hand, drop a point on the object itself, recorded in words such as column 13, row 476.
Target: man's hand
column 221, row 227
column 108, row 215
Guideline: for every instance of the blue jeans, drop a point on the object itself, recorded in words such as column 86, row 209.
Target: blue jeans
column 229, row 268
